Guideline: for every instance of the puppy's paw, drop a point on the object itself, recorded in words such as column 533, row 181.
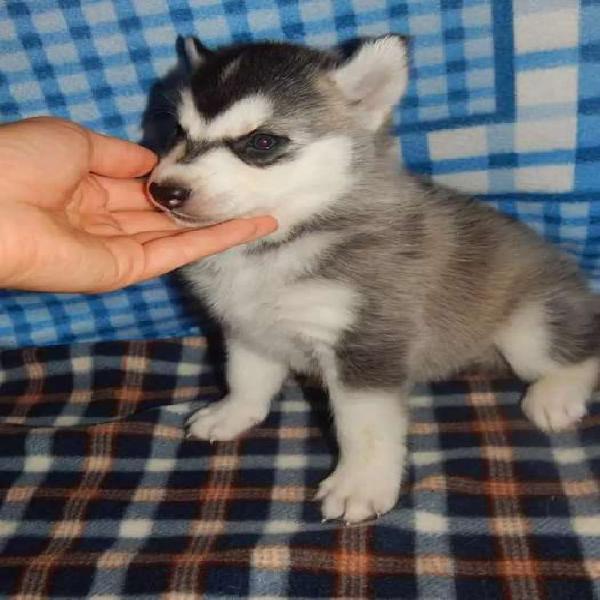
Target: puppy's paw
column 356, row 494
column 553, row 409
column 224, row 420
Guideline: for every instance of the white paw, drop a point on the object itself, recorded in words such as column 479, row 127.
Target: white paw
column 553, row 409
column 224, row 420
column 356, row 494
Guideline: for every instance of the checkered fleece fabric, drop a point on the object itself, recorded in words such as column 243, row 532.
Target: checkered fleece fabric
column 504, row 102
column 103, row 497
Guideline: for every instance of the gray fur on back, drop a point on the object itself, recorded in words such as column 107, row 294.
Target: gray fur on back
column 439, row 274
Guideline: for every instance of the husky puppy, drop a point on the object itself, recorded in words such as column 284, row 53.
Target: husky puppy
column 374, row 280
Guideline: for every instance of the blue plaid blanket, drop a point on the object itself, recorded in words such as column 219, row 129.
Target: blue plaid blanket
column 101, row 495
column 504, row 102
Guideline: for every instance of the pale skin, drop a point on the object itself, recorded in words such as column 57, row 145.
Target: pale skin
column 74, row 216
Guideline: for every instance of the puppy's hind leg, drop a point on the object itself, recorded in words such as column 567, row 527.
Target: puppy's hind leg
column 558, row 399
column 558, row 357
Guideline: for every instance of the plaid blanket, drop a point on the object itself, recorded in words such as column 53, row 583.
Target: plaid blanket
column 504, row 101
column 103, row 497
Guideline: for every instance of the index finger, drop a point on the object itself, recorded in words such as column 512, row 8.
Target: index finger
column 167, row 253
column 113, row 157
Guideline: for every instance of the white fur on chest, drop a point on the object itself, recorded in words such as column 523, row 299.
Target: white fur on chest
column 272, row 300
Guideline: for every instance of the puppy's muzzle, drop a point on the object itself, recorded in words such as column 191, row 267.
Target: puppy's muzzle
column 169, row 196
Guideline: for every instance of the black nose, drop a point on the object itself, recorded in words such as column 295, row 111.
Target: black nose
column 169, row 196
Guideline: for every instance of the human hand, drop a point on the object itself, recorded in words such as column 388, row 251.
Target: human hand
column 73, row 218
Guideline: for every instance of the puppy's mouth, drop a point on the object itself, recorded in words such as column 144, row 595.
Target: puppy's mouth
column 186, row 220
column 182, row 218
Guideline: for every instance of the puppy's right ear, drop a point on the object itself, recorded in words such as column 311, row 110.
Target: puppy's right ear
column 374, row 79
column 194, row 52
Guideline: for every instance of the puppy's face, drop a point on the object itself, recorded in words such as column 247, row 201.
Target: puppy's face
column 270, row 129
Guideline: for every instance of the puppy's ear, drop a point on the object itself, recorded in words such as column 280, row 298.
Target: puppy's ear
column 374, row 79
column 194, row 52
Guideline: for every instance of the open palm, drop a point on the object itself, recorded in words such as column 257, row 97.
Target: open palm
column 73, row 216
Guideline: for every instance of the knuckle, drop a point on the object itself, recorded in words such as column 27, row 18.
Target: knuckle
column 61, row 126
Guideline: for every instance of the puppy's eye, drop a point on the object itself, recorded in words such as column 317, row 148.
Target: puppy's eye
column 259, row 148
column 262, row 142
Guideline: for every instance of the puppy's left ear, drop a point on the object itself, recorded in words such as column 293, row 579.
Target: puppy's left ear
column 193, row 51
column 375, row 78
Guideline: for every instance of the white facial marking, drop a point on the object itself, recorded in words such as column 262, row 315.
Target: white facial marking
column 224, row 187
column 167, row 164
column 189, row 117
column 241, row 118
column 317, row 177
column 290, row 191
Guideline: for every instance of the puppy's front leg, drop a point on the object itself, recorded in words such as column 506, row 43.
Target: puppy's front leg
column 371, row 429
column 253, row 380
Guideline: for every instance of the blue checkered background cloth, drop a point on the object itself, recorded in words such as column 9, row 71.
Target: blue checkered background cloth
column 504, row 102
